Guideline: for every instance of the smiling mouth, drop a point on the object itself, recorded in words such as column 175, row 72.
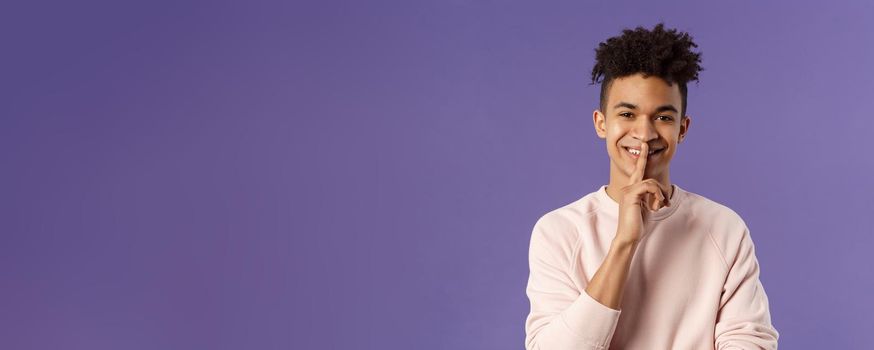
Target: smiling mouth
column 651, row 154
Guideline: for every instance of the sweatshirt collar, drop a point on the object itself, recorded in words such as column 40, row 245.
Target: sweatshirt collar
column 609, row 205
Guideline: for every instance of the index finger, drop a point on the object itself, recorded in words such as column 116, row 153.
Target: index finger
column 640, row 166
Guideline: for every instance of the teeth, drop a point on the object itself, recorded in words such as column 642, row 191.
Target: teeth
column 637, row 152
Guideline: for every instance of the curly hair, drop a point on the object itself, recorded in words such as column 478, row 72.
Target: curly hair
column 663, row 53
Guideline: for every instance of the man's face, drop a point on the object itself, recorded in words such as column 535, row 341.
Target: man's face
column 641, row 110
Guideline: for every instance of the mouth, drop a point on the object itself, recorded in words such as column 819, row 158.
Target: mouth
column 652, row 154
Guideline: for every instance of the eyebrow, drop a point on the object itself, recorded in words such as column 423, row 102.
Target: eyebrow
column 660, row 109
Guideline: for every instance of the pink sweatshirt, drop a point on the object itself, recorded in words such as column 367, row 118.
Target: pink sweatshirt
column 693, row 281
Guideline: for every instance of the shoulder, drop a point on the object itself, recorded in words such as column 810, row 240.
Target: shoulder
column 718, row 218
column 559, row 228
column 726, row 227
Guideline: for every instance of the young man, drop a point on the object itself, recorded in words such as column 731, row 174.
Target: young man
column 642, row 263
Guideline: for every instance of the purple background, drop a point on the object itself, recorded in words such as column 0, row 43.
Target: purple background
column 290, row 175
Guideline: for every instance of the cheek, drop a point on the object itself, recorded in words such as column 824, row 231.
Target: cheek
column 614, row 134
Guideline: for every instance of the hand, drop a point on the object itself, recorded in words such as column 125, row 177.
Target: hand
column 637, row 199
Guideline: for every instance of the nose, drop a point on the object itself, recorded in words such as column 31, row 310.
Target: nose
column 643, row 130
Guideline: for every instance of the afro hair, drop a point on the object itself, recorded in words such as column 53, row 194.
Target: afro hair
column 663, row 53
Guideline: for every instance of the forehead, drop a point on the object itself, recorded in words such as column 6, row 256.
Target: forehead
column 648, row 93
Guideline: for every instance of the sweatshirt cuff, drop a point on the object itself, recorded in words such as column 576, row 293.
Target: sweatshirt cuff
column 591, row 320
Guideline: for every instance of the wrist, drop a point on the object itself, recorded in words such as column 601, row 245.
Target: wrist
column 622, row 242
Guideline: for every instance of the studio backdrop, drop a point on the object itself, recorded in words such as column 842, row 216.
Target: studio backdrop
column 366, row 175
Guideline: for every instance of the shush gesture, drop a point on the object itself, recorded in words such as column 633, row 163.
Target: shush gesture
column 637, row 199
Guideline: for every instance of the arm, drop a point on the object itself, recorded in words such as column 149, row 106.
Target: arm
column 744, row 320
column 608, row 283
column 562, row 317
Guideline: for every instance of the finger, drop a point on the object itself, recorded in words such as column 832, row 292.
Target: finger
column 657, row 197
column 661, row 201
column 655, row 200
column 649, row 194
column 663, row 192
column 640, row 166
column 644, row 201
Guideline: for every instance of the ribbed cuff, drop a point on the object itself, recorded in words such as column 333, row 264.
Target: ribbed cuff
column 591, row 320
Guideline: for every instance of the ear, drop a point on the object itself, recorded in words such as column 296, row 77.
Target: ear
column 600, row 122
column 684, row 128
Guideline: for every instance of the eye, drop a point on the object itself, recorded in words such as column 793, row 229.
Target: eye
column 629, row 115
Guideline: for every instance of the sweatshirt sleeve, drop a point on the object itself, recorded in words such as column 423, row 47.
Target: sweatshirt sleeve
column 744, row 320
column 561, row 317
